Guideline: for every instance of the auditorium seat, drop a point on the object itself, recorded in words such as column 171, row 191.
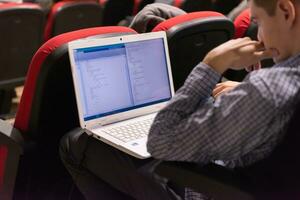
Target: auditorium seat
column 46, row 112
column 71, row 15
column 143, row 3
column 225, row 6
column 193, row 6
column 116, row 10
column 20, row 36
column 190, row 37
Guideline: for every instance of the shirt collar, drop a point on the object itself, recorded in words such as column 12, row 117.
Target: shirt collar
column 293, row 61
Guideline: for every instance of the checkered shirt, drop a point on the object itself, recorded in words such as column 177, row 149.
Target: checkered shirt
column 239, row 127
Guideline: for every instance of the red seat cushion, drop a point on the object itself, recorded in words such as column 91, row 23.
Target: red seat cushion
column 19, row 5
column 177, row 3
column 102, row 2
column 242, row 23
column 23, row 113
column 166, row 25
column 3, row 157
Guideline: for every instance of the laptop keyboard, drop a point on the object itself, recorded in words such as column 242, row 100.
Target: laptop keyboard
column 130, row 131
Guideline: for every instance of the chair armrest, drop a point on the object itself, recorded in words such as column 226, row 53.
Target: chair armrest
column 213, row 180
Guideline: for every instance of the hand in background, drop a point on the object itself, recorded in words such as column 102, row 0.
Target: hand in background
column 223, row 87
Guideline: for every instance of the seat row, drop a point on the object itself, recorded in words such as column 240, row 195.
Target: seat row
column 48, row 109
column 27, row 28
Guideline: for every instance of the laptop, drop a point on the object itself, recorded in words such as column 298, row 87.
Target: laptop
column 120, row 84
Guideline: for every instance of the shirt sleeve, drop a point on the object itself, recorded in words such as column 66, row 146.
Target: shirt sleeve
column 192, row 128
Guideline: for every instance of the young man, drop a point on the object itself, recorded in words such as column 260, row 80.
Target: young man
column 242, row 125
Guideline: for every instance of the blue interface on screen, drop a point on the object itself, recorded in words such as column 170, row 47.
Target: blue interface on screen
column 121, row 77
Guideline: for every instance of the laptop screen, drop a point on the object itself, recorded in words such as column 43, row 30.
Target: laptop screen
column 121, row 77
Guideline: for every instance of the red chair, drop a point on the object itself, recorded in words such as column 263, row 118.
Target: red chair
column 68, row 16
column 178, row 3
column 193, row 6
column 244, row 27
column 20, row 36
column 190, row 37
column 46, row 112
column 142, row 3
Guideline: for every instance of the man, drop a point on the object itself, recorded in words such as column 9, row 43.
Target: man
column 241, row 126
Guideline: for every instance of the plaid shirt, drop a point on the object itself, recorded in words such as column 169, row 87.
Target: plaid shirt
column 239, row 127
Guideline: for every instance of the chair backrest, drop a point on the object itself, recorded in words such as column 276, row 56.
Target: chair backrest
column 47, row 106
column 193, row 6
column 225, row 6
column 115, row 10
column 68, row 16
column 140, row 4
column 178, row 3
column 244, row 26
column 48, row 110
column 10, row 152
column 143, row 3
column 20, row 36
column 191, row 37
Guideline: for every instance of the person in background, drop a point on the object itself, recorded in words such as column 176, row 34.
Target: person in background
column 153, row 14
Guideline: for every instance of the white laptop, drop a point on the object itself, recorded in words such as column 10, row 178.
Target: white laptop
column 120, row 84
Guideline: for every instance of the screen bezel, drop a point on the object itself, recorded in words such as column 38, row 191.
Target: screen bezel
column 94, row 42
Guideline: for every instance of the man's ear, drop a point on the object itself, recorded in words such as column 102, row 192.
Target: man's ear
column 288, row 11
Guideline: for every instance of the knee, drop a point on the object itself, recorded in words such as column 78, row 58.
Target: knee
column 72, row 146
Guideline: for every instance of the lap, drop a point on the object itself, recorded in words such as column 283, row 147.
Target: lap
column 127, row 174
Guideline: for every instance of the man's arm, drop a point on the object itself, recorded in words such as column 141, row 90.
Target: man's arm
column 191, row 128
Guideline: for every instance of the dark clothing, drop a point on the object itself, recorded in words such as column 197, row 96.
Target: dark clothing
column 152, row 15
column 241, row 127
column 96, row 167
column 262, row 103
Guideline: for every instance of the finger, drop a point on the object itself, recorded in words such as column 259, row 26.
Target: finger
column 218, row 89
column 260, row 55
column 251, row 44
column 221, row 92
column 260, row 46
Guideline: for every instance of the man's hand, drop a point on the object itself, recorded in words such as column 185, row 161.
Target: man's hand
column 223, row 87
column 237, row 54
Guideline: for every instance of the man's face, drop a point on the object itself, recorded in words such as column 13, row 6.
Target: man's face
column 271, row 31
